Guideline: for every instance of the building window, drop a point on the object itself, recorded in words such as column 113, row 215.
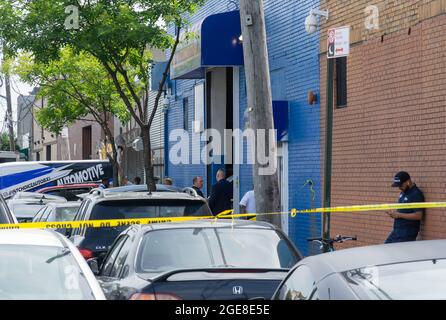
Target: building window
column 48, row 153
column 186, row 114
column 341, row 82
column 37, row 156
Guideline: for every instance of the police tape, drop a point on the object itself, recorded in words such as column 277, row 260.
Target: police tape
column 112, row 223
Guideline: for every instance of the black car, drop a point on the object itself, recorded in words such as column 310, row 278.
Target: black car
column 197, row 260
column 6, row 216
column 101, row 205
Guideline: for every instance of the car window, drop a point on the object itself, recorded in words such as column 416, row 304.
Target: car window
column 299, row 286
column 417, row 280
column 134, row 209
column 47, row 213
column 164, row 250
column 43, row 272
column 4, row 213
column 39, row 214
column 111, row 257
column 58, row 193
column 71, row 194
column 65, row 213
column 120, row 260
column 147, row 208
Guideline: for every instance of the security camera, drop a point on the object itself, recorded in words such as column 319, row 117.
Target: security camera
column 311, row 24
column 311, row 21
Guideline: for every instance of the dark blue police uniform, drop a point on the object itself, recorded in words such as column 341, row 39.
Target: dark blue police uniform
column 407, row 230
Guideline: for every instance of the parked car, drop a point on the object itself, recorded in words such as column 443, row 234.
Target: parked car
column 43, row 265
column 198, row 260
column 25, row 205
column 399, row 271
column 70, row 191
column 101, row 205
column 57, row 212
column 6, row 216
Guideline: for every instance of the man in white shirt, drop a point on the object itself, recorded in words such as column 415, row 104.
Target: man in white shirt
column 248, row 203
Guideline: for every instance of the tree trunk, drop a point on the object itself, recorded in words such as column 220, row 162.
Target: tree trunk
column 148, row 160
column 115, row 164
column 113, row 158
column 260, row 100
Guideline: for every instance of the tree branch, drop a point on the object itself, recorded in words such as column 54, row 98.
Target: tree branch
column 164, row 79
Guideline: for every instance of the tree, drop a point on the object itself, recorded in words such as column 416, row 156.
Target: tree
column 118, row 33
column 76, row 87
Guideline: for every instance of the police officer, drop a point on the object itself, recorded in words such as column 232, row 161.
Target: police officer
column 406, row 221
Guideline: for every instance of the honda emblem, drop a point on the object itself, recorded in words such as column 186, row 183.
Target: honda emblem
column 237, row 290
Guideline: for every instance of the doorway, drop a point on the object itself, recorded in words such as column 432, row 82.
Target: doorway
column 219, row 116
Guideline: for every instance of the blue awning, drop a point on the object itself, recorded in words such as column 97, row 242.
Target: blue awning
column 215, row 43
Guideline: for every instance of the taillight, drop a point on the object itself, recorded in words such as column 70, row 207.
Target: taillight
column 156, row 296
column 86, row 253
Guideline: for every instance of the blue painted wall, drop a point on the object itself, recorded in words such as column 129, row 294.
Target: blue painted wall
column 294, row 64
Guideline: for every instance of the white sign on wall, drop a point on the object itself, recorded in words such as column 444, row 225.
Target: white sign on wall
column 338, row 41
column 199, row 108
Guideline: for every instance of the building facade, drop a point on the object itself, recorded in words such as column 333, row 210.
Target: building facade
column 211, row 93
column 394, row 117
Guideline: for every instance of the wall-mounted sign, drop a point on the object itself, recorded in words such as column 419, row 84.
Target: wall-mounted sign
column 338, row 41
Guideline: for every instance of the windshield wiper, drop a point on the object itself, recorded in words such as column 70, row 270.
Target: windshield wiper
column 64, row 253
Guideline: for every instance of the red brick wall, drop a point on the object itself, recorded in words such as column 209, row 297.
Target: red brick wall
column 395, row 120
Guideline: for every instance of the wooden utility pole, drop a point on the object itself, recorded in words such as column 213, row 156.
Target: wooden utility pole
column 266, row 187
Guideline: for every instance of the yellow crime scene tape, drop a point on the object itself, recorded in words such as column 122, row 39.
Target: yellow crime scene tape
column 224, row 215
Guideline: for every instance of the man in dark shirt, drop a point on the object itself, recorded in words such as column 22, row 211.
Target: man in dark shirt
column 197, row 185
column 221, row 194
column 407, row 221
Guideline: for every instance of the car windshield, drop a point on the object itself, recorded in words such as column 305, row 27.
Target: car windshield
column 40, row 272
column 419, row 280
column 65, row 213
column 165, row 250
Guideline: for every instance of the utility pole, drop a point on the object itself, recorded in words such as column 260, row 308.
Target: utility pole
column 9, row 107
column 258, row 82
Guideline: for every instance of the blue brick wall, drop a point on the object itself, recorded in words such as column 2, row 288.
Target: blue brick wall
column 183, row 174
column 294, row 63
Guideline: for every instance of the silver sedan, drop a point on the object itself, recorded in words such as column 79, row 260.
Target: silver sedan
column 399, row 271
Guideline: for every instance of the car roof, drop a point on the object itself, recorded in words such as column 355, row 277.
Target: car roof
column 142, row 188
column 106, row 196
column 30, row 237
column 369, row 256
column 207, row 223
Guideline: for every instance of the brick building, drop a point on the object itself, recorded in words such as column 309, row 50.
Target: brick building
column 395, row 115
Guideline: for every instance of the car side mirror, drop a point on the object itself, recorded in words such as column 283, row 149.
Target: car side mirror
column 94, row 265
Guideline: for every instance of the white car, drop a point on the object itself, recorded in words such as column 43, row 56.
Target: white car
column 25, row 205
column 44, row 265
